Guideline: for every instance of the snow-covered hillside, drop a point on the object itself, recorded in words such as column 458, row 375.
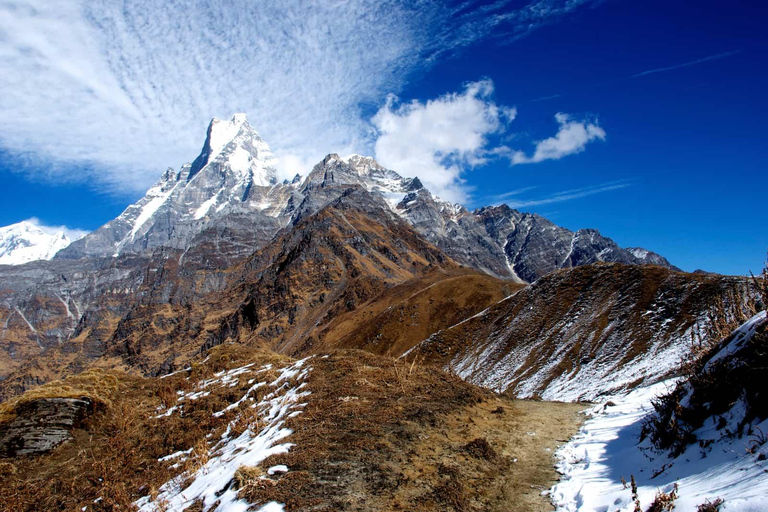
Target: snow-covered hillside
column 26, row 241
column 581, row 333
column 725, row 458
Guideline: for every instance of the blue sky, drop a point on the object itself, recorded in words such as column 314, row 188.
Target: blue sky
column 669, row 99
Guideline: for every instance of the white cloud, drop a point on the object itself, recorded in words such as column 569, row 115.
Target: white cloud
column 114, row 92
column 438, row 139
column 572, row 137
column 72, row 233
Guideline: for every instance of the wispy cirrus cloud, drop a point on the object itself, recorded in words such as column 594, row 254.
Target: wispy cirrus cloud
column 512, row 193
column 717, row 56
column 111, row 92
column 564, row 195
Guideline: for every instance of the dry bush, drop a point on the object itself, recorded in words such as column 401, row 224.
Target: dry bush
column 664, row 501
column 481, row 449
column 710, row 506
column 247, row 474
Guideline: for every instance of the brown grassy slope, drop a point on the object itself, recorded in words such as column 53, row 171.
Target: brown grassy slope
column 380, row 434
column 401, row 316
column 600, row 316
column 114, row 456
column 377, row 434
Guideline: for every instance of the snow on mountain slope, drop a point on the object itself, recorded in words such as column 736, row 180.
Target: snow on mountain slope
column 229, row 196
column 231, row 184
column 27, row 241
column 580, row 333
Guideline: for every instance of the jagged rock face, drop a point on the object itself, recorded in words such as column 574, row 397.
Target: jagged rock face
column 41, row 425
column 46, row 304
column 42, row 303
column 579, row 333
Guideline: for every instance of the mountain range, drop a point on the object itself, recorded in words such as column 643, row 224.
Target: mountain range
column 217, row 298
column 228, row 203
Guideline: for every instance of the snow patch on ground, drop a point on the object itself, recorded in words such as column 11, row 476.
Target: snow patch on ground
column 211, row 483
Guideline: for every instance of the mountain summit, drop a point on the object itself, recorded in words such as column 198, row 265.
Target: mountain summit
column 235, row 145
column 232, row 178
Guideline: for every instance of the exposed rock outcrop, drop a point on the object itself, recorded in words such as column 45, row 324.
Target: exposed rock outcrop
column 42, row 424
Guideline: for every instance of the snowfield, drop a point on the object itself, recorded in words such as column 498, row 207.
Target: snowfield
column 607, row 449
column 212, row 483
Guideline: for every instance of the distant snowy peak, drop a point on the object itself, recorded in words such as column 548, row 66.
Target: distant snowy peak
column 24, row 242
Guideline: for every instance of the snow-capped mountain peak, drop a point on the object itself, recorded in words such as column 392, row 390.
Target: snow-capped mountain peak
column 236, row 146
column 25, row 241
column 234, row 176
column 221, row 133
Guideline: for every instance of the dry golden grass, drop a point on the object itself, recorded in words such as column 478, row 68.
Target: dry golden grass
column 379, row 434
column 115, row 455
column 395, row 320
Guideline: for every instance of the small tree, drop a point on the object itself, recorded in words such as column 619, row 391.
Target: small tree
column 760, row 283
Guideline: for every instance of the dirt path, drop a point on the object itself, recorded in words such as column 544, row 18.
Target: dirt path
column 523, row 433
column 382, row 435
